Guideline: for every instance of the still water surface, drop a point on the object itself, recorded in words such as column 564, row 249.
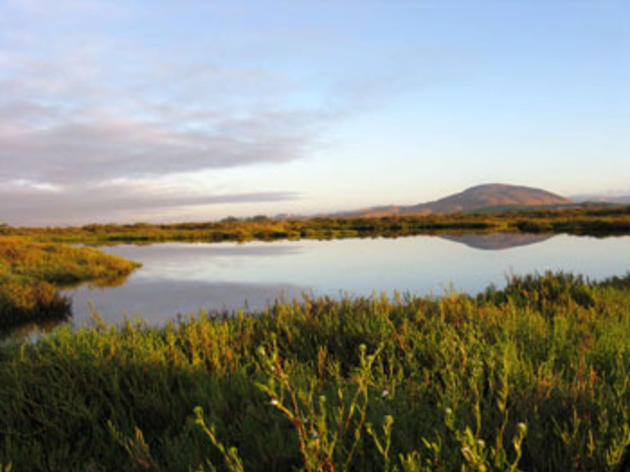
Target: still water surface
column 181, row 278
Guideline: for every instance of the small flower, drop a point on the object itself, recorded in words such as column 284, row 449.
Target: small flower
column 314, row 434
column 385, row 393
column 481, row 443
column 274, row 402
column 448, row 411
column 522, row 427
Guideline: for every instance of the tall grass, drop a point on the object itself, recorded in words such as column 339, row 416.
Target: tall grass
column 531, row 378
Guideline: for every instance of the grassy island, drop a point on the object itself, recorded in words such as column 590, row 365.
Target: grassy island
column 598, row 221
column 31, row 274
column 532, row 378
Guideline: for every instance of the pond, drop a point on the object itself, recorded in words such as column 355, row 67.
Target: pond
column 182, row 278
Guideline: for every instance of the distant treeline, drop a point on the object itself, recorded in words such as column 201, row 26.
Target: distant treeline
column 594, row 221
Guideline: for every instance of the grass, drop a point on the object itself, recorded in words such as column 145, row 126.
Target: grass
column 31, row 274
column 531, row 378
column 34, row 262
column 594, row 221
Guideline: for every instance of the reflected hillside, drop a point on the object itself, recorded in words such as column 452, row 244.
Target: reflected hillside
column 497, row 241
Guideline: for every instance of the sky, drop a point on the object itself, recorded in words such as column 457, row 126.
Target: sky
column 126, row 111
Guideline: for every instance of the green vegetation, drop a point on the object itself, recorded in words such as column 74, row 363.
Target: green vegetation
column 31, row 274
column 595, row 221
column 531, row 378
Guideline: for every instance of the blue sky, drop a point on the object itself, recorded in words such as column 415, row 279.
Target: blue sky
column 167, row 111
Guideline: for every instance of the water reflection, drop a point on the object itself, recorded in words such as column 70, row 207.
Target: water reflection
column 31, row 330
column 160, row 300
column 202, row 261
column 497, row 241
column 181, row 278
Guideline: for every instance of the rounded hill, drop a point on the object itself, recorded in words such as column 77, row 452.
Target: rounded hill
column 491, row 196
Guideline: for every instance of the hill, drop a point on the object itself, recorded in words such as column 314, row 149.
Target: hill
column 489, row 197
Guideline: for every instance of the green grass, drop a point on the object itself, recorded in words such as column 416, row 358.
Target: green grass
column 534, row 377
column 595, row 221
column 35, row 261
column 31, row 274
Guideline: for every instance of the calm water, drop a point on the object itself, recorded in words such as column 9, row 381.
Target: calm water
column 181, row 278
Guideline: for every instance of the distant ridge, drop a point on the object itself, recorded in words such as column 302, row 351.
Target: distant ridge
column 596, row 198
column 488, row 197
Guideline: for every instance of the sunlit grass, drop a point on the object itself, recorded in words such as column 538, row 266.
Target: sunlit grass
column 34, row 261
column 31, row 274
column 595, row 221
column 533, row 377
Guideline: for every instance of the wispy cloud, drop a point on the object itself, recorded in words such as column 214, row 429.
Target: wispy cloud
column 107, row 148
column 84, row 106
column 60, row 123
column 25, row 202
column 89, row 109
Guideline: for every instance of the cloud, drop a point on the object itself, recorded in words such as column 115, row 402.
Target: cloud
column 85, row 111
column 87, row 101
column 63, row 129
column 24, row 202
column 109, row 148
column 89, row 107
